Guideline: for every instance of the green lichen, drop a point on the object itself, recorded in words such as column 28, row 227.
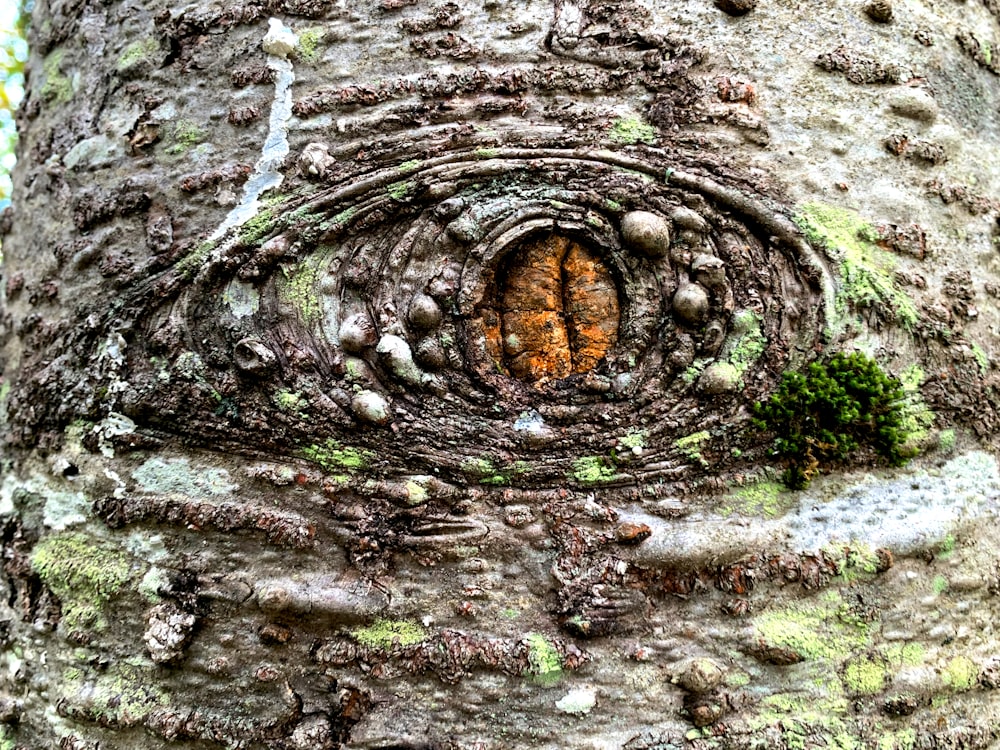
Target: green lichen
column 409, row 166
column 189, row 266
column 939, row 584
column 747, row 344
column 865, row 676
column 904, row 739
column 177, row 476
column 385, row 634
column 866, row 271
column 292, row 402
column 837, row 408
column 124, row 695
column 737, row 680
column 613, row 206
column 854, row 561
column 83, row 573
column 820, row 631
column 486, row 471
column 298, row 286
column 400, row 191
column 805, row 714
column 136, row 53
column 485, row 153
column 310, row 39
column 690, row 446
column 987, row 53
column 693, row 372
column 183, row 135
column 57, row 89
column 765, row 498
column 593, row 469
column 257, row 227
column 905, row 654
column 916, row 418
column 635, row 440
column 632, row 130
column 544, row 662
column 981, row 359
column 960, row 674
column 946, row 440
column 333, row 457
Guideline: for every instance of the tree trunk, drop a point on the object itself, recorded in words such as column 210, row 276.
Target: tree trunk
column 394, row 385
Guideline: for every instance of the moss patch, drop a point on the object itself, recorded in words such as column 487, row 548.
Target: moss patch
column 384, row 634
column 632, row 130
column 83, row 573
column 838, row 407
column 866, row 271
column 400, row 191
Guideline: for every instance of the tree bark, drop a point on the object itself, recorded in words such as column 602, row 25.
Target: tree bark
column 383, row 375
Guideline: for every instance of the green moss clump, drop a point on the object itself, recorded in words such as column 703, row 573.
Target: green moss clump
column 866, row 271
column 960, row 674
column 384, row 634
column 593, row 469
column 544, row 661
column 291, row 401
column 83, row 573
column 632, row 130
column 836, row 408
column 331, row 456
column 981, row 359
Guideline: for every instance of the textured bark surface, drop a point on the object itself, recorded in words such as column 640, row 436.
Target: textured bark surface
column 392, row 387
